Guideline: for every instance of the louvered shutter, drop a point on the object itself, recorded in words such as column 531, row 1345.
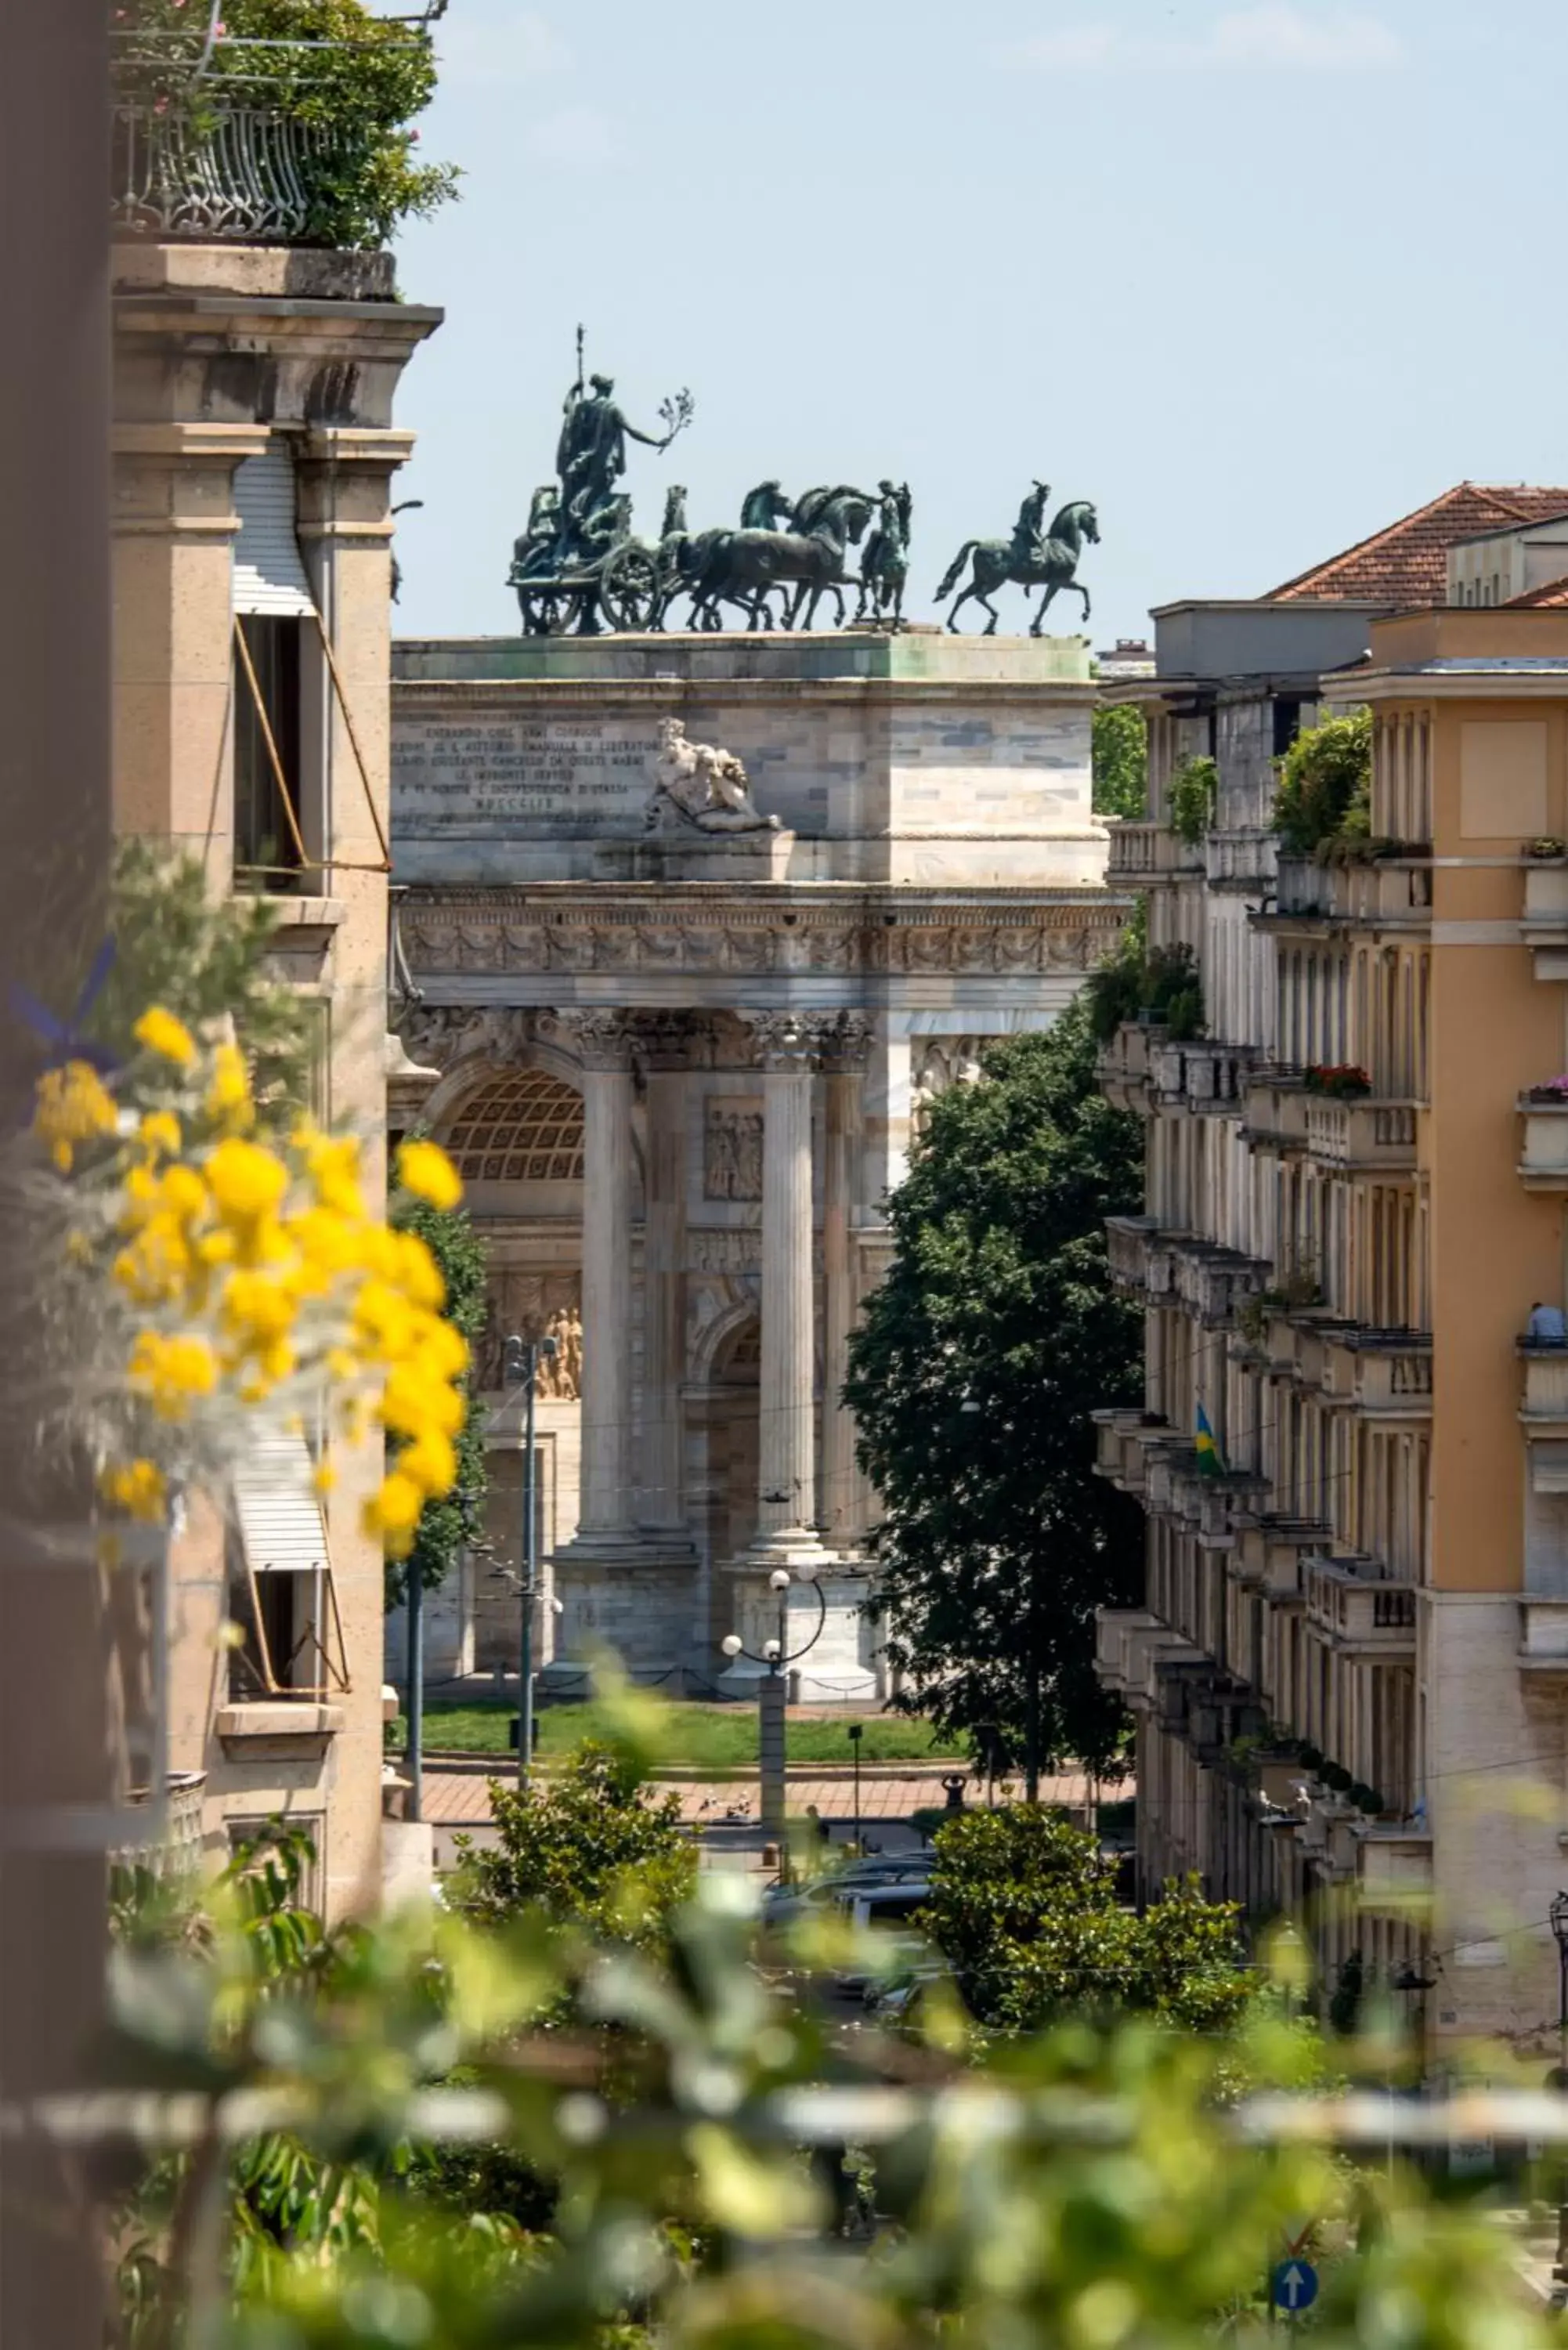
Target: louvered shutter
column 277, row 1507
column 268, row 573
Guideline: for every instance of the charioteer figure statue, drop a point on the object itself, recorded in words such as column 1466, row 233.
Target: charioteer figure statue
column 590, row 455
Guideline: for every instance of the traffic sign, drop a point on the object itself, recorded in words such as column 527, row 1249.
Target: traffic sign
column 1294, row 2287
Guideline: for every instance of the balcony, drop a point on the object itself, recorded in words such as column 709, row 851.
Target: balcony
column 1243, row 861
column 1545, row 1383
column 1364, row 1136
column 1122, row 1439
column 216, row 136
column 1122, row 1069
column 1361, row 1610
column 1270, row 1555
column 1128, row 1240
column 1543, row 1162
column 1206, row 1078
column 1210, row 1281
column 1387, row 892
column 1386, row 1373
column 1145, row 855
column 1543, row 1643
column 1130, row 1646
column 1275, row 1118
column 1545, row 924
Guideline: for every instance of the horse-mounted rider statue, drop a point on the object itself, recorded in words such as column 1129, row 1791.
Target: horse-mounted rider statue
column 885, row 566
column 1026, row 558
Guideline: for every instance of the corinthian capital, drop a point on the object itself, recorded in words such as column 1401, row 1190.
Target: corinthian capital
column 601, row 1040
column 790, row 1040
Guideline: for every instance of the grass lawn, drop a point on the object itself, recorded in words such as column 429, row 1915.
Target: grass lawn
column 701, row 1737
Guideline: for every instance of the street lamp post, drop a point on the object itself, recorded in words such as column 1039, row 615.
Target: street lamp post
column 777, row 1656
column 521, row 1365
column 856, row 1732
column 1557, row 1912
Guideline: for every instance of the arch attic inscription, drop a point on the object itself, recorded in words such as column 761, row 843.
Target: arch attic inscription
column 557, row 776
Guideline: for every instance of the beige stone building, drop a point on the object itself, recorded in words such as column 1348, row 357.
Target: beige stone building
column 679, row 1068
column 255, row 451
column 1349, row 1672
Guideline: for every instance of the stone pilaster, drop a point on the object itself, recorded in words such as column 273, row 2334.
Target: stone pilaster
column 844, row 1062
column 785, row 1045
column 667, row 1047
column 603, row 1042
column 618, row 1587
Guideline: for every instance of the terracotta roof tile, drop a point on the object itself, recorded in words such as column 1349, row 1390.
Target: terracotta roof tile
column 1551, row 596
column 1407, row 564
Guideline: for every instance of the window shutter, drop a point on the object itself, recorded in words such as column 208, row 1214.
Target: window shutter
column 277, row 1507
column 269, row 576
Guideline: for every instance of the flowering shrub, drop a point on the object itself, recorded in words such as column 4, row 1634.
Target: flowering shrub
column 1341, row 1080
column 244, row 1273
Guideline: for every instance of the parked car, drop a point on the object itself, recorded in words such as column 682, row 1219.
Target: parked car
column 784, row 1900
column 886, row 1914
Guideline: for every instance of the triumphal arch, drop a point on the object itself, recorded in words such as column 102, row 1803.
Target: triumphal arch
column 698, row 925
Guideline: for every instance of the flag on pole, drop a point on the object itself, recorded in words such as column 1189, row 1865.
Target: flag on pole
column 1210, row 1461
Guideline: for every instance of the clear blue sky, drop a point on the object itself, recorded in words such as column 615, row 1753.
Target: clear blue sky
column 1257, row 276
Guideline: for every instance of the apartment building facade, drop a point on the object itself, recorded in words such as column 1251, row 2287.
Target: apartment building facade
column 254, row 449
column 1347, row 1674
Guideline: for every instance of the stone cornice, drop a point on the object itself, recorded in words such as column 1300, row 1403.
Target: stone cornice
column 604, row 695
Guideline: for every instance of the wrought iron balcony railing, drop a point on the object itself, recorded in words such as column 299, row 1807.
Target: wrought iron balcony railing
column 217, row 136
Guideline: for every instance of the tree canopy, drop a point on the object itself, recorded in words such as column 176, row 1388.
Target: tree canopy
column 1023, row 1907
column 446, row 1526
column 1120, row 760
column 971, row 1379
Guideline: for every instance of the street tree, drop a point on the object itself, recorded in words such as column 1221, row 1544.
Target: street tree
column 981, row 1357
column 1120, row 760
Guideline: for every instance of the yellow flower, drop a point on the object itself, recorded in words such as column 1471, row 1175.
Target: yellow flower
column 419, row 1273
column 245, row 1181
column 72, row 1105
column 424, row 1169
column 137, row 1487
column 431, row 1462
column 325, row 1478
column 393, row 1512
column 169, row 1038
column 159, row 1134
column 170, row 1371
column 228, row 1101
column 333, row 1166
column 411, row 1402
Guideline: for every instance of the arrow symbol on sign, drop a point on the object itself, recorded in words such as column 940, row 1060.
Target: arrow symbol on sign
column 1293, row 2282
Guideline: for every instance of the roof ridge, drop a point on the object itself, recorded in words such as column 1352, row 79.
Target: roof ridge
column 1361, row 545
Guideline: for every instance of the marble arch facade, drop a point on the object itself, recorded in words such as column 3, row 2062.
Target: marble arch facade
column 752, row 1022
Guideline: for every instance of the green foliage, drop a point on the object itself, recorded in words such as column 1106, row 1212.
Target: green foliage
column 362, row 79
column 998, row 1541
column 1025, row 1909
column 587, row 1848
column 1069, row 2190
column 1120, row 760
column 1325, row 786
column 203, row 959
column 1136, row 982
column 1194, row 795
column 446, row 1527
column 696, row 1736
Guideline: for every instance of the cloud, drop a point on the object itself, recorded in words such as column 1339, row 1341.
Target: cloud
column 577, row 135
column 515, row 45
column 1268, row 38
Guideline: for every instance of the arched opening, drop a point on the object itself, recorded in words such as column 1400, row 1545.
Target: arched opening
column 523, row 1126
column 734, row 1384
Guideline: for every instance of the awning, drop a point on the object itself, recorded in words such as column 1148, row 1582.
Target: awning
column 278, row 1509
column 268, row 575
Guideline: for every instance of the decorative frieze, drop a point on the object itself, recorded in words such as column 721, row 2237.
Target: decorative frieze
column 532, row 940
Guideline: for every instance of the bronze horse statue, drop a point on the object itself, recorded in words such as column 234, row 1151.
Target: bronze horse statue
column 743, row 565
column 1054, row 560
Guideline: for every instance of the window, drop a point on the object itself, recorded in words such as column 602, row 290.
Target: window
column 281, row 1577
column 273, row 669
column 1287, row 721
column 266, row 853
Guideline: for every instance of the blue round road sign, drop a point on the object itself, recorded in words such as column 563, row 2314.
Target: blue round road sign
column 1294, row 2287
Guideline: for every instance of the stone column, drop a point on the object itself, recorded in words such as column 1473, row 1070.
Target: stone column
column 603, row 1043
column 785, row 1045
column 667, row 1047
column 843, row 1064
